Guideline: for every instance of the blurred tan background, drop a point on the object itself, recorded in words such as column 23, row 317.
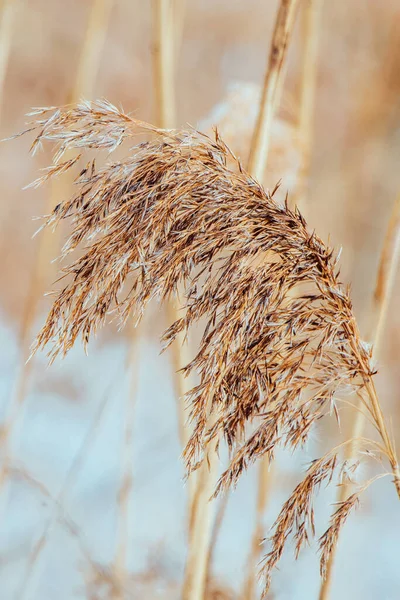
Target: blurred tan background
column 65, row 452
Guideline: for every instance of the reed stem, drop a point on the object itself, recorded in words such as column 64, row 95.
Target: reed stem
column 270, row 98
column 168, row 24
column 310, row 29
column 277, row 58
column 385, row 279
column 216, row 529
column 89, row 61
column 195, row 578
column 200, row 488
column 32, row 572
column 164, row 63
column 125, row 490
column 93, row 44
column 8, row 10
column 265, row 480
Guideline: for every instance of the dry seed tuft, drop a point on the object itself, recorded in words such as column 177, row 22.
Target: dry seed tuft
column 280, row 343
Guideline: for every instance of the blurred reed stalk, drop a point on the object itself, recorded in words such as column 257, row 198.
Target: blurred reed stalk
column 168, row 18
column 34, row 566
column 265, row 485
column 271, row 95
column 311, row 10
column 385, row 279
column 8, row 10
column 277, row 57
column 178, row 20
column 163, row 52
column 120, row 565
column 219, row 518
column 167, row 37
column 88, row 66
column 200, row 535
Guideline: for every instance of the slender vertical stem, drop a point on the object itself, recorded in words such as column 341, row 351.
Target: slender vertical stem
column 164, row 63
column 195, row 578
column 310, row 21
column 265, row 480
column 32, row 571
column 271, row 95
column 88, row 61
column 219, row 518
column 200, row 508
column 277, row 57
column 8, row 10
column 181, row 357
column 385, row 279
column 168, row 21
column 125, row 490
column 93, row 44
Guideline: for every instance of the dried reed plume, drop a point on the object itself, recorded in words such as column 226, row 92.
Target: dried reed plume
column 280, row 343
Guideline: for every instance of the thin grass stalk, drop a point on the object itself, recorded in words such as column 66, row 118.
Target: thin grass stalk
column 385, row 280
column 219, row 518
column 164, row 64
column 178, row 11
column 199, row 487
column 33, row 571
column 93, row 44
column 168, row 26
column 89, row 62
column 46, row 243
column 201, row 527
column 8, row 10
column 277, row 57
column 310, row 38
column 197, row 563
column 271, row 95
column 125, row 490
column 265, row 485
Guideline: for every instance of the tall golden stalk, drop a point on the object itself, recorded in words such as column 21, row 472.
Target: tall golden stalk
column 200, row 535
column 168, row 24
column 385, row 279
column 32, row 571
column 8, row 10
column 272, row 91
column 200, row 485
column 92, row 48
column 164, row 64
column 87, row 69
column 265, row 481
column 124, row 493
column 308, row 81
column 277, row 57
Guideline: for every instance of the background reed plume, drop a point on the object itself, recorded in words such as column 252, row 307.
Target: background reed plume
column 280, row 343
